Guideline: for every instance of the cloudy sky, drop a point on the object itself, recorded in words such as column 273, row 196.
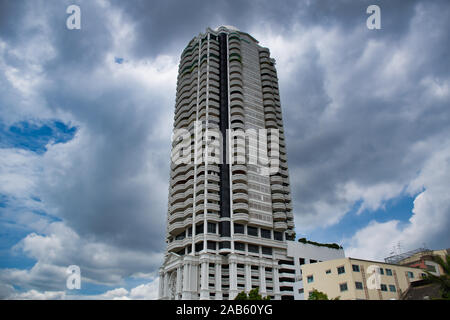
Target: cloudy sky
column 86, row 117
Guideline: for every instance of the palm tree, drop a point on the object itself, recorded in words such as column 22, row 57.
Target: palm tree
column 444, row 279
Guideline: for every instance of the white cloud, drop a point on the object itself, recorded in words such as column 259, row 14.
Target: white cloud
column 429, row 222
column 145, row 291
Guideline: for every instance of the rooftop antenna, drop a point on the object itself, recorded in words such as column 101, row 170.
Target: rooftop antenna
column 399, row 247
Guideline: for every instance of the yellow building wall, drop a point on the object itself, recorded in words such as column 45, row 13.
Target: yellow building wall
column 330, row 283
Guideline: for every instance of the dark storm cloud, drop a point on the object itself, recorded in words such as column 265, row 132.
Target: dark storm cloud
column 167, row 26
column 370, row 139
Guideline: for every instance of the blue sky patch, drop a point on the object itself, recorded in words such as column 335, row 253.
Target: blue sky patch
column 399, row 208
column 35, row 136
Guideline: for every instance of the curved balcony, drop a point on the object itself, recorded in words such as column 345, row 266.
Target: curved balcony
column 276, row 180
column 181, row 187
column 177, row 227
column 277, row 188
column 237, row 117
column 240, row 187
column 240, row 217
column 236, row 82
column 280, row 226
column 180, row 197
column 238, row 167
column 199, row 217
column 271, row 124
column 239, row 178
column 240, row 197
column 210, row 207
column 236, row 96
column 237, row 125
column 176, row 216
column 178, row 244
column 240, row 207
column 237, row 110
column 279, row 206
column 279, row 216
column 180, row 206
column 270, row 116
column 181, row 169
column 209, row 196
column 212, row 217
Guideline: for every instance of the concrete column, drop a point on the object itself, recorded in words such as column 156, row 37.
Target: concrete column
column 166, row 285
column 204, row 293
column 276, row 284
column 179, row 282
column 233, row 280
column 186, row 274
column 248, row 278
column 262, row 280
column 218, row 283
column 194, row 285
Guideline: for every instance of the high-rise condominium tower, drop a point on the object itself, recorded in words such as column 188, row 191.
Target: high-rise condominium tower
column 230, row 210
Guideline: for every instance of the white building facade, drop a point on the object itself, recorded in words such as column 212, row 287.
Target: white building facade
column 230, row 213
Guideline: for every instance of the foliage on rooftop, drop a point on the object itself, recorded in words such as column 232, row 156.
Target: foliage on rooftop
column 328, row 245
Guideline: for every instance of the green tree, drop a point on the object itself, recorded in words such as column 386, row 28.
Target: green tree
column 444, row 279
column 318, row 295
column 241, row 296
column 252, row 295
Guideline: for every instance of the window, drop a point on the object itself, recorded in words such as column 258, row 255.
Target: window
column 225, row 245
column 343, row 287
column 278, row 236
column 252, row 231
column 410, row 275
column 239, row 246
column 238, row 228
column 355, row 268
column 199, row 246
column 341, row 270
column 383, row 287
column 302, row 261
column 392, row 288
column 328, row 271
column 310, row 279
column 199, row 228
column 211, row 227
column 252, row 248
column 266, row 234
column 359, row 285
column 381, row 271
column 312, row 261
column 211, row 245
column 180, row 236
column 388, row 272
column 267, row 250
column 300, row 291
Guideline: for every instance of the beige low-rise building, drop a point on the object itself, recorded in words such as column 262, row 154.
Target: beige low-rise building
column 356, row 279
